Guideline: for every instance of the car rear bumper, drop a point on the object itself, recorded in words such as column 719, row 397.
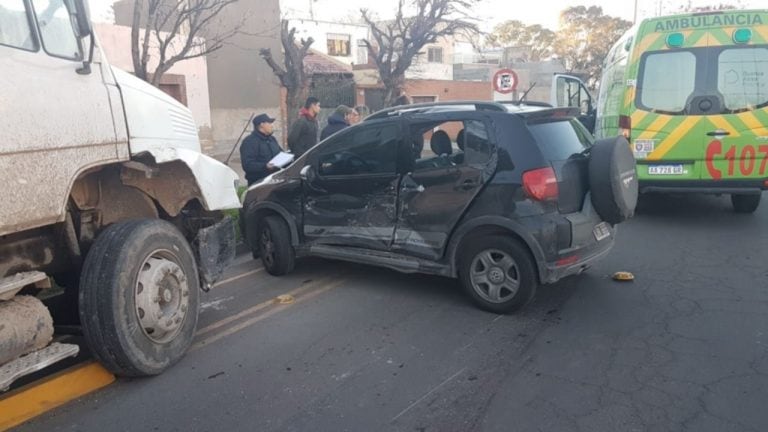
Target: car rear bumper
column 590, row 240
column 750, row 186
column 587, row 256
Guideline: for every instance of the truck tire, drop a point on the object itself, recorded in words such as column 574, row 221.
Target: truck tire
column 274, row 246
column 613, row 179
column 745, row 203
column 139, row 297
column 498, row 273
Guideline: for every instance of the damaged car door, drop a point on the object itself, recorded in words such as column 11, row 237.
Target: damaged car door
column 350, row 187
column 452, row 160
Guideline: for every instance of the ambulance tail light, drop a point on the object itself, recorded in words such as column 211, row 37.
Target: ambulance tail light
column 625, row 127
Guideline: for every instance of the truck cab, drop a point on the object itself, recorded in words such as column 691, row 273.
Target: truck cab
column 109, row 209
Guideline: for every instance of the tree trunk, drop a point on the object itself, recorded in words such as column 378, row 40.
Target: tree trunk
column 393, row 89
column 294, row 102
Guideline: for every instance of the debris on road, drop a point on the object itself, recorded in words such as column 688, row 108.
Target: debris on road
column 284, row 299
column 623, row 277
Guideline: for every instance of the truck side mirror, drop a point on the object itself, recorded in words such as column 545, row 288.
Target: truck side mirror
column 84, row 29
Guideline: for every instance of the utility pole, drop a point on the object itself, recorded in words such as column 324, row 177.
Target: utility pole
column 634, row 20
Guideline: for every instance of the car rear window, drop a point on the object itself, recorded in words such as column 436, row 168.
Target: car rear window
column 560, row 140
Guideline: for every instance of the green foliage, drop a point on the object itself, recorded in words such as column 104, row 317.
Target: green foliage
column 585, row 37
column 514, row 33
column 582, row 42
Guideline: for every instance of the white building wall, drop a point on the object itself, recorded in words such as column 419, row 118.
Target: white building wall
column 319, row 31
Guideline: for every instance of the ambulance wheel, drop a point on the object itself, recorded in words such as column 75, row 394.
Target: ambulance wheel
column 745, row 203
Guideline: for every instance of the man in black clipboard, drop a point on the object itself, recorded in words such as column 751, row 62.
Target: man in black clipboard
column 258, row 149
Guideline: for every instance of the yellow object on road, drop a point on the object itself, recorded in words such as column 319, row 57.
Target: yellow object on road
column 28, row 402
column 623, row 276
column 284, row 299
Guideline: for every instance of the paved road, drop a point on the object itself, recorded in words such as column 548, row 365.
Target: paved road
column 684, row 347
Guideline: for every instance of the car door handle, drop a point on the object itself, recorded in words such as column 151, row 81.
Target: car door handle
column 413, row 188
column 718, row 132
column 467, row 185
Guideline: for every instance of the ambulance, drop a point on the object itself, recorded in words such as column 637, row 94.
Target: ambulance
column 690, row 92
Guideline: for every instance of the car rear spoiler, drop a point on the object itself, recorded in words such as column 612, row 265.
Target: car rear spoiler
column 550, row 114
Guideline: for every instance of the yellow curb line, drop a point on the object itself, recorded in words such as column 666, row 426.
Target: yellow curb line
column 37, row 398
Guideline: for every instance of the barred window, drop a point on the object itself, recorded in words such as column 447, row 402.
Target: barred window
column 339, row 45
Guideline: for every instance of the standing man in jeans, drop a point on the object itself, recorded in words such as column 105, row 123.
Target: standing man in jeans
column 303, row 135
column 258, row 149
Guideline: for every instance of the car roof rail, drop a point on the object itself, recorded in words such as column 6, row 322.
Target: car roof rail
column 528, row 103
column 431, row 106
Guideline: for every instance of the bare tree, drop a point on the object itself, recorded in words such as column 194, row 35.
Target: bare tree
column 398, row 42
column 174, row 30
column 291, row 74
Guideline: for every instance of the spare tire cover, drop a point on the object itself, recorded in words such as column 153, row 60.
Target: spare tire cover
column 613, row 179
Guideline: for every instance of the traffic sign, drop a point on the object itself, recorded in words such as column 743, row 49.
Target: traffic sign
column 505, row 81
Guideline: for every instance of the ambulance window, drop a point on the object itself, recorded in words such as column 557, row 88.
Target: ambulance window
column 742, row 77
column 15, row 29
column 668, row 79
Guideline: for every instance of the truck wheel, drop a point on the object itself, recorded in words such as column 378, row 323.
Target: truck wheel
column 745, row 203
column 139, row 297
column 498, row 274
column 613, row 180
column 274, row 243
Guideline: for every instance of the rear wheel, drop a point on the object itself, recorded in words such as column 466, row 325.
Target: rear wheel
column 274, row 246
column 745, row 203
column 498, row 274
column 139, row 297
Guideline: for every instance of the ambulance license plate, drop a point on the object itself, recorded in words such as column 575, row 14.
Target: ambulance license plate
column 666, row 170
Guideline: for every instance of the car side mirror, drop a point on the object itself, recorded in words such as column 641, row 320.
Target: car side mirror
column 307, row 173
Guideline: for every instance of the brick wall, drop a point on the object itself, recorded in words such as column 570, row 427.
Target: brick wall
column 445, row 91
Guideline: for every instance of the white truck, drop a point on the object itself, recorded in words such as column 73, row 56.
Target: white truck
column 105, row 199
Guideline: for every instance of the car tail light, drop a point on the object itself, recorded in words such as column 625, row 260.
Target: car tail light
column 625, row 126
column 541, row 184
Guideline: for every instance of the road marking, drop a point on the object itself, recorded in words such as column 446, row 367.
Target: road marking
column 428, row 393
column 277, row 308
column 238, row 277
column 28, row 402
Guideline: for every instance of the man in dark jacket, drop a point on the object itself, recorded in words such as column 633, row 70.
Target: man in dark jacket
column 341, row 118
column 258, row 149
column 303, row 134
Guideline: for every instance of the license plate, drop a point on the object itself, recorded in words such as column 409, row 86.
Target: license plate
column 601, row 231
column 666, row 170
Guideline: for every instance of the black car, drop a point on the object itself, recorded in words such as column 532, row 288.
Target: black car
column 502, row 196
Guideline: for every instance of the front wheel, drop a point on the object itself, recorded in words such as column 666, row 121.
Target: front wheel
column 274, row 246
column 745, row 203
column 139, row 297
column 498, row 274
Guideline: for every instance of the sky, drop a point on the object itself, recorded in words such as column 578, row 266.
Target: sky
column 488, row 12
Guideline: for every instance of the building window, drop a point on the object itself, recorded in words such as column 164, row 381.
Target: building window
column 362, row 52
column 423, row 99
column 338, row 45
column 435, row 55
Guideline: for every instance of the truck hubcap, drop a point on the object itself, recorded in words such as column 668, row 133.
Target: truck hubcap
column 162, row 297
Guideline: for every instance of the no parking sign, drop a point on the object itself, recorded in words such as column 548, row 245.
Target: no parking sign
column 505, row 81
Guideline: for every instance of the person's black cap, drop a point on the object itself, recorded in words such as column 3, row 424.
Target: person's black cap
column 262, row 118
